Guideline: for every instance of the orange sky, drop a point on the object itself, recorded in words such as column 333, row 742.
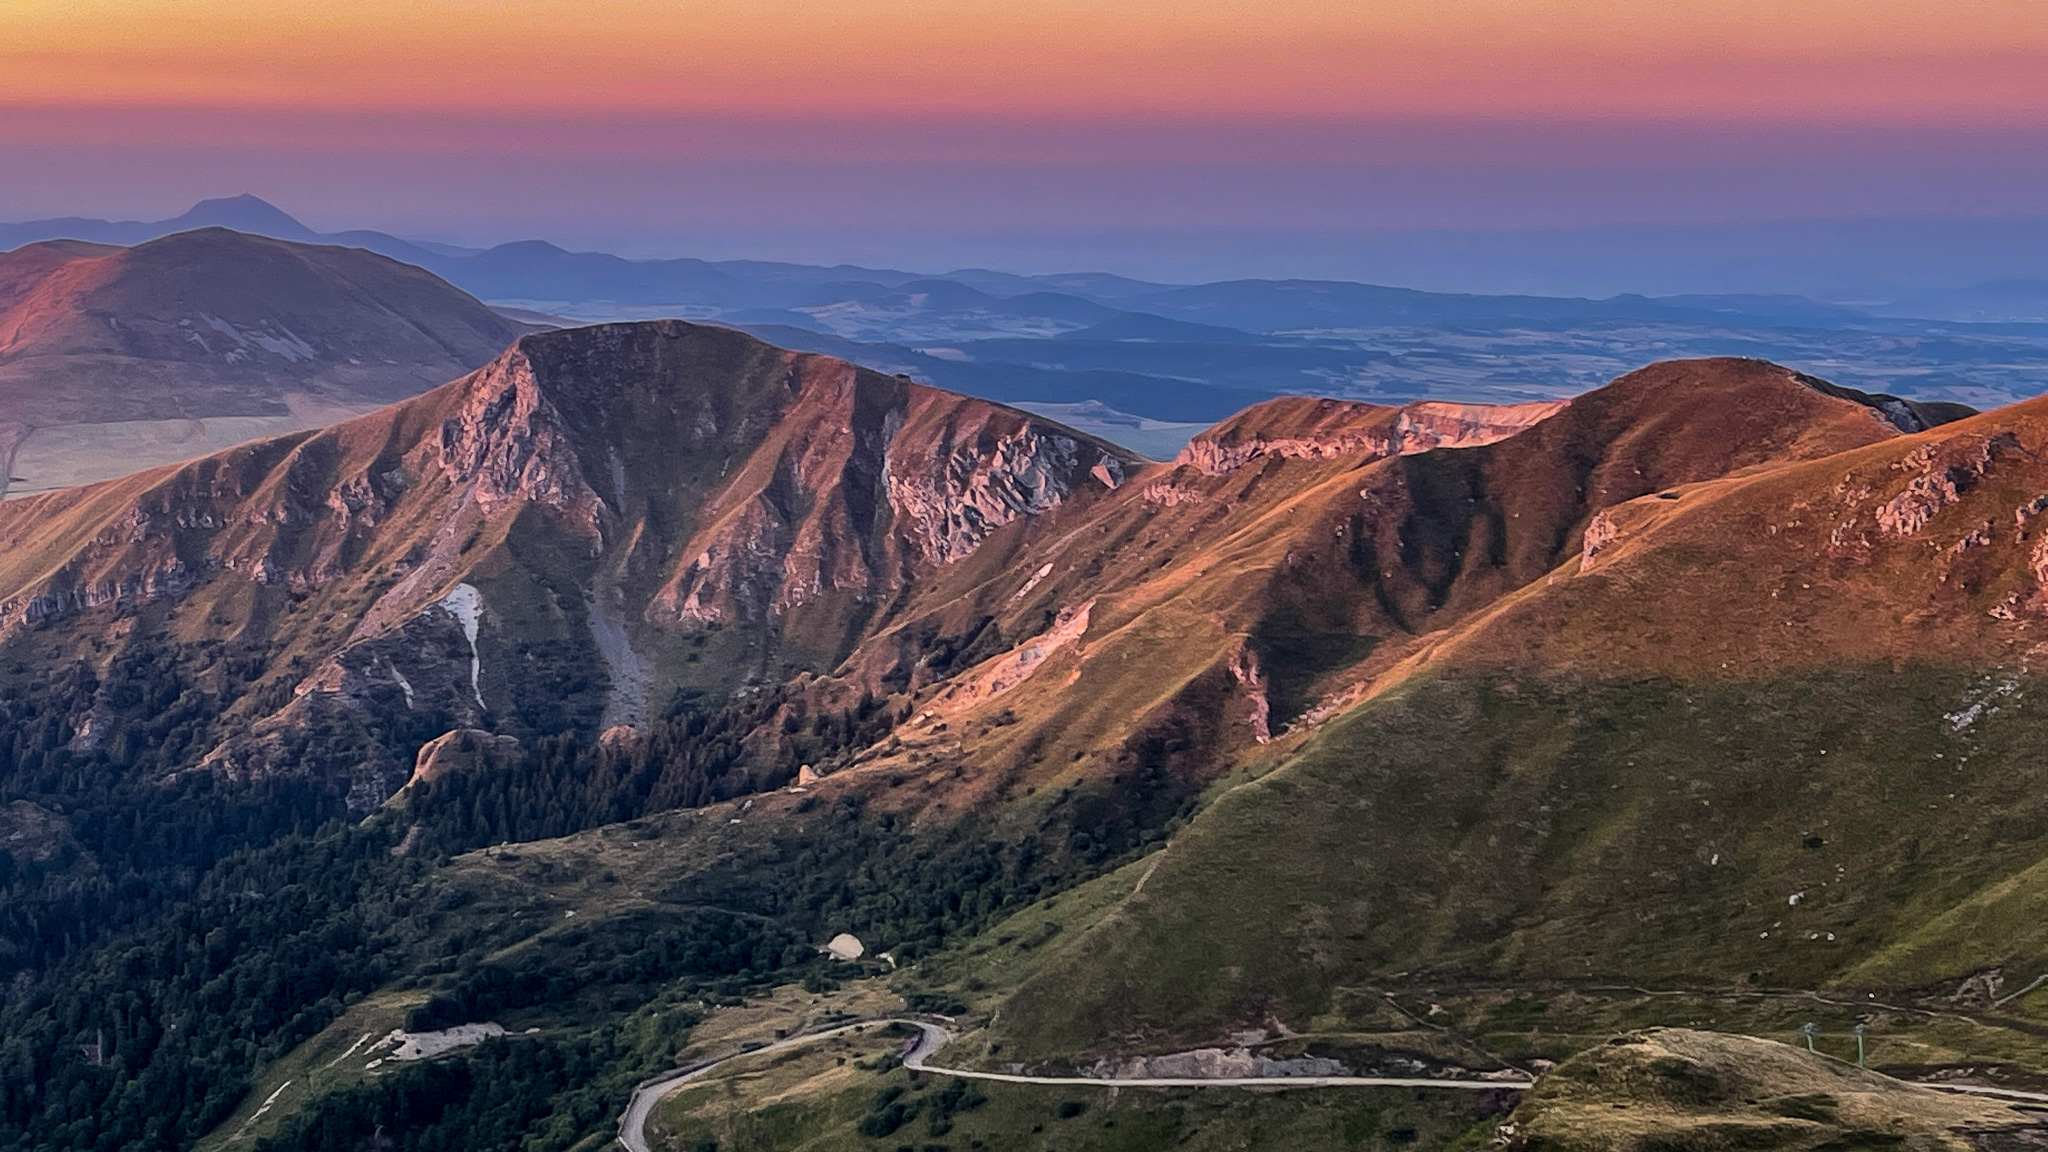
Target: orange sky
column 1981, row 61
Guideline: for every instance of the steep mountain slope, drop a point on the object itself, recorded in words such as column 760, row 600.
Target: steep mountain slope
column 157, row 339
column 1768, row 729
column 749, row 648
column 1305, row 536
column 517, row 544
column 645, row 508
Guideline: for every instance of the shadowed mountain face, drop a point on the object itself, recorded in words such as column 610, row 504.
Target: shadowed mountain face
column 213, row 325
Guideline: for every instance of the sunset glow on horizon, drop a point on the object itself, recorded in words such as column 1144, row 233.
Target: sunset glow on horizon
column 1980, row 61
column 798, row 127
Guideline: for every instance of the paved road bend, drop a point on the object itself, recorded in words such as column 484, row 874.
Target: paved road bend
column 931, row 1037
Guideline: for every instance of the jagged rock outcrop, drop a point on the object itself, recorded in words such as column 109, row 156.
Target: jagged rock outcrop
column 1600, row 532
column 462, row 748
column 868, row 479
column 1941, row 474
column 505, row 444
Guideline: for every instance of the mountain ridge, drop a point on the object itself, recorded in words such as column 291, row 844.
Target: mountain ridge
column 875, row 478
column 1645, row 766
column 1066, row 339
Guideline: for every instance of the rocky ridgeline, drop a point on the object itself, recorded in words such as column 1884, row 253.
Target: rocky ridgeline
column 804, row 484
column 1311, row 429
column 868, row 479
column 506, row 445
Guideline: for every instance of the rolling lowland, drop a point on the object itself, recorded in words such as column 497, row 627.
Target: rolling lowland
column 589, row 694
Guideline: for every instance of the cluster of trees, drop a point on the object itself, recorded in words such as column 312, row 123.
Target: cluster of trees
column 163, row 930
column 693, row 756
column 508, row 1094
column 748, row 922
column 104, row 762
column 148, row 1041
column 891, row 1108
column 173, row 930
column 708, row 948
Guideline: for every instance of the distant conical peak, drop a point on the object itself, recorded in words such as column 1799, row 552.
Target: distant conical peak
column 247, row 213
column 240, row 200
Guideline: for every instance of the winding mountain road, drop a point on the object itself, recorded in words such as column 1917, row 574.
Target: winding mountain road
column 932, row 1037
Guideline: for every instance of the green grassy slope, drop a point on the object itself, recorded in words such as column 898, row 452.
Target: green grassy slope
column 1784, row 832
column 1678, row 1088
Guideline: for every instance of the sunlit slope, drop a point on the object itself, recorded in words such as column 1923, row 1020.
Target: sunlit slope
column 1770, row 730
column 218, row 323
column 595, row 519
column 1185, row 620
column 1678, row 1087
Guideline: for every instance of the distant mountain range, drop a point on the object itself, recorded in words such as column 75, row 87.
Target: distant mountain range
column 540, row 271
column 1186, row 355
column 537, row 271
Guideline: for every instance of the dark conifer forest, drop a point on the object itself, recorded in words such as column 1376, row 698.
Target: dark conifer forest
column 173, row 929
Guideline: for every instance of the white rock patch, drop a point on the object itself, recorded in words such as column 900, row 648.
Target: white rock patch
column 1981, row 701
column 287, row 345
column 1043, row 571
column 426, row 1045
column 466, row 605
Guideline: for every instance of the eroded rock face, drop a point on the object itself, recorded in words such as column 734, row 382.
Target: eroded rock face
column 1600, row 532
column 169, row 579
column 869, row 479
column 1874, row 507
column 1941, row 474
column 1437, row 424
column 952, row 499
column 506, row 444
column 1310, row 429
column 1000, row 674
column 430, row 664
column 1244, row 668
column 462, row 748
